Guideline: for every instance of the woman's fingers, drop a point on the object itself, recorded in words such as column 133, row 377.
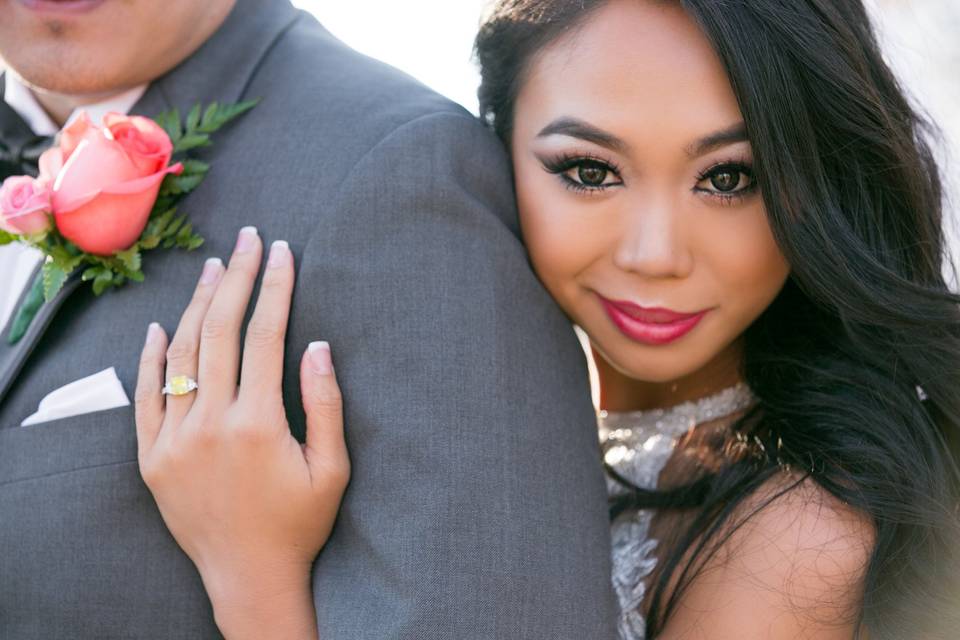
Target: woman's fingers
column 262, row 370
column 325, row 450
column 220, row 335
column 148, row 399
column 183, row 352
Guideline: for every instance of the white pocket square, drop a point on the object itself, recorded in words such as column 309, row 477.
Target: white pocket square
column 98, row 392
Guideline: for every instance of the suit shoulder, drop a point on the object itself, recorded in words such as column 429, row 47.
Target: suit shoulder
column 310, row 66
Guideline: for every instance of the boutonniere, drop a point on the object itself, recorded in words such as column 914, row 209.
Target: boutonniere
column 105, row 195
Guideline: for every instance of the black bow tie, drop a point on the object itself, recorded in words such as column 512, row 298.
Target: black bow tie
column 23, row 159
column 20, row 148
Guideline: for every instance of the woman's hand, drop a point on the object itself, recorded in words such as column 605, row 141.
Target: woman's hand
column 247, row 503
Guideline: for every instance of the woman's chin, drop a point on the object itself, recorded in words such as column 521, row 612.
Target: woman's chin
column 653, row 365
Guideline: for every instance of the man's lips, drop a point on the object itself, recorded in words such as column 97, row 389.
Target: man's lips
column 61, row 6
column 651, row 325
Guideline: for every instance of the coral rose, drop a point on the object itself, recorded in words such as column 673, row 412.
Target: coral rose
column 106, row 180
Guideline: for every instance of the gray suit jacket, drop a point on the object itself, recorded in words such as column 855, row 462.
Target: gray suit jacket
column 477, row 505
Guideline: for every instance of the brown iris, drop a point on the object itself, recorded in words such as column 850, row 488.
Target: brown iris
column 592, row 174
column 725, row 181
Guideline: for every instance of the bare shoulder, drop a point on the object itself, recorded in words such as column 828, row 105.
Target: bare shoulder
column 796, row 524
column 791, row 565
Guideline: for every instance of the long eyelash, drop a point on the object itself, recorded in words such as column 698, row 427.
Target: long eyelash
column 739, row 165
column 578, row 187
column 731, row 198
column 560, row 164
column 566, row 161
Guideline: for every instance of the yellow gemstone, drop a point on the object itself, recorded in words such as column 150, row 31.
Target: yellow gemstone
column 180, row 385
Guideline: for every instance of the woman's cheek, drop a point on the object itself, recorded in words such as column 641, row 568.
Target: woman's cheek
column 559, row 240
column 745, row 259
column 543, row 221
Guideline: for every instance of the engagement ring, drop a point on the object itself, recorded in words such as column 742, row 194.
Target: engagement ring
column 179, row 386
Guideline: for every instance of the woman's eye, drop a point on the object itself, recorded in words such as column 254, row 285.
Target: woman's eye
column 591, row 174
column 726, row 180
column 583, row 174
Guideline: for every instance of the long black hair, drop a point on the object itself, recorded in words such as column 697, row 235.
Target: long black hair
column 856, row 364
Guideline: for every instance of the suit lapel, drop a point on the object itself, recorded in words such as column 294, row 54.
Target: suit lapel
column 219, row 71
column 13, row 130
column 13, row 357
column 222, row 68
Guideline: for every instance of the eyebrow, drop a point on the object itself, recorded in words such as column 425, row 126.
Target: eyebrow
column 576, row 128
column 714, row 141
column 579, row 129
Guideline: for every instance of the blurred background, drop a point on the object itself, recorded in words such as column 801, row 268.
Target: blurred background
column 432, row 40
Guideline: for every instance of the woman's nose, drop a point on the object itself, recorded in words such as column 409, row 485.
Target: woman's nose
column 653, row 242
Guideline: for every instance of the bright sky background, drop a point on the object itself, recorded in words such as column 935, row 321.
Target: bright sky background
column 431, row 40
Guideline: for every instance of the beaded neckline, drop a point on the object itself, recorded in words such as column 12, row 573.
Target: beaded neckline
column 673, row 421
column 636, row 446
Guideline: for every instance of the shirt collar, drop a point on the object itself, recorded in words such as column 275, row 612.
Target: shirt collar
column 21, row 99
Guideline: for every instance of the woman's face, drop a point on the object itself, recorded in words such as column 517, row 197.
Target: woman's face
column 636, row 192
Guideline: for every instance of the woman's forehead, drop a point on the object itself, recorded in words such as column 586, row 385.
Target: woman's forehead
column 631, row 64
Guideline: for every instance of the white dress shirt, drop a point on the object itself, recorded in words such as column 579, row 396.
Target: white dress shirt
column 17, row 261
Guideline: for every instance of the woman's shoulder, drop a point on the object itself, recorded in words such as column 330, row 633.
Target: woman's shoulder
column 793, row 519
column 790, row 563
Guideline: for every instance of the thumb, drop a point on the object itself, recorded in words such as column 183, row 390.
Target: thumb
column 323, row 405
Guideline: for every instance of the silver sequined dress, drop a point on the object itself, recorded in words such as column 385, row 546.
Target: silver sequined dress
column 638, row 445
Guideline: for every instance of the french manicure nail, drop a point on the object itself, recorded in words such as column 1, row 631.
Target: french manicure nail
column 320, row 357
column 246, row 239
column 153, row 333
column 211, row 271
column 279, row 254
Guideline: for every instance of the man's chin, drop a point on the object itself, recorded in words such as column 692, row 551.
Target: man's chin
column 58, row 51
column 67, row 81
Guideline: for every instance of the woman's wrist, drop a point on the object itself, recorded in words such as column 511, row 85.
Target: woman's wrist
column 263, row 604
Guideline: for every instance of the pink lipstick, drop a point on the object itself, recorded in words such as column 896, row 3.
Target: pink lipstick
column 652, row 326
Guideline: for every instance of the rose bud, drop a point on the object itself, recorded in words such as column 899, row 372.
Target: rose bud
column 24, row 205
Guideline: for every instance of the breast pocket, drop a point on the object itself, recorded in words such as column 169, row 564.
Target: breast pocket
column 87, row 554
column 61, row 446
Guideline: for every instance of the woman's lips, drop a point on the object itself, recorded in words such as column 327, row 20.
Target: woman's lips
column 652, row 326
column 61, row 6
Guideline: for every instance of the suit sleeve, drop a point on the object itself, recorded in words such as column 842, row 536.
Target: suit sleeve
column 477, row 505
